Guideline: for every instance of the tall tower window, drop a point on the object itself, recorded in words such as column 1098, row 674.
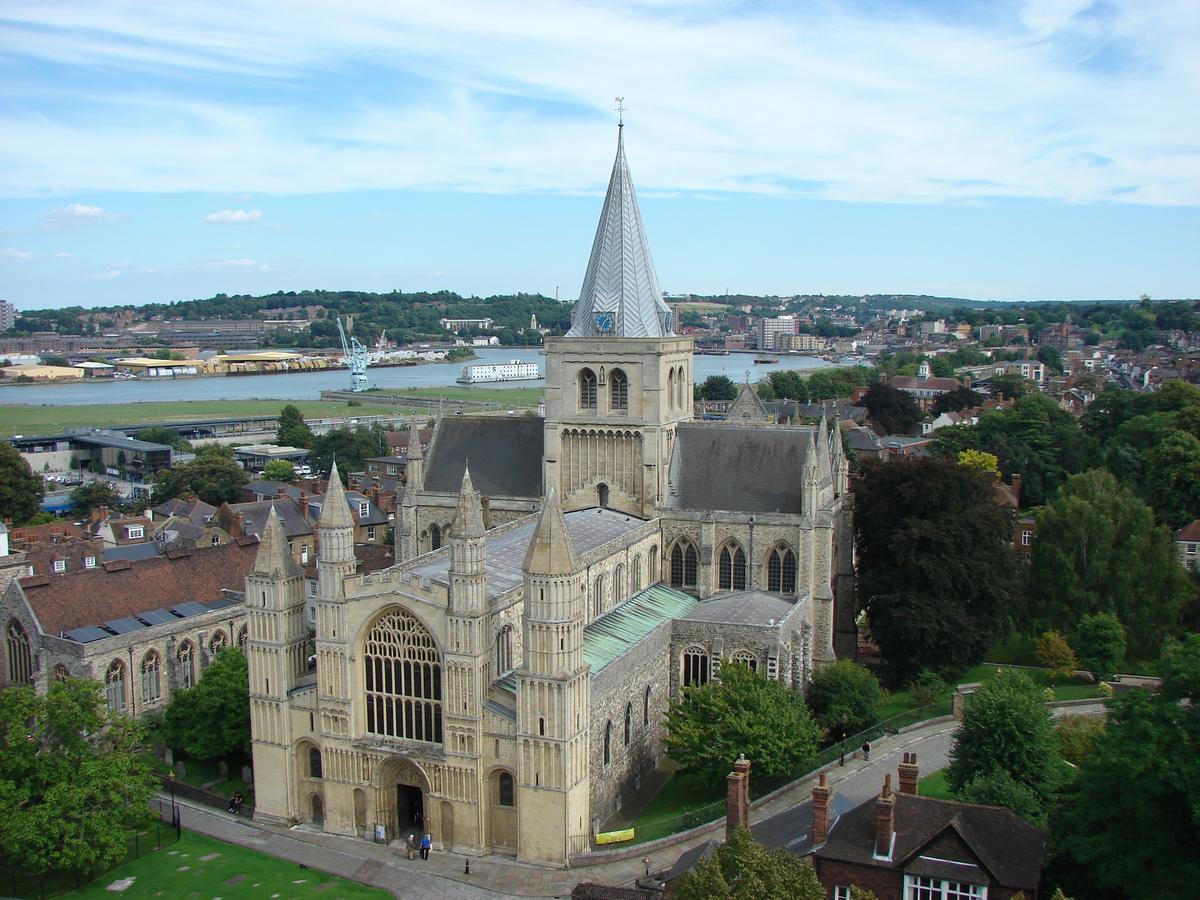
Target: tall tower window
column 618, row 388
column 504, row 650
column 683, row 565
column 781, row 570
column 587, row 389
column 20, row 659
column 671, row 389
column 731, row 574
column 403, row 670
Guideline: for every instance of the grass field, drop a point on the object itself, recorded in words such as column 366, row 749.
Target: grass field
column 514, row 397
column 934, row 785
column 18, row 419
column 199, row 866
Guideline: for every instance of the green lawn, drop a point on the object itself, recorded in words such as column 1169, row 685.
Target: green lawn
column 513, row 397
column 934, row 785
column 21, row 419
column 203, row 867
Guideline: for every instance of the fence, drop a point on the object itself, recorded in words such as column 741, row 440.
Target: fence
column 161, row 831
column 207, row 798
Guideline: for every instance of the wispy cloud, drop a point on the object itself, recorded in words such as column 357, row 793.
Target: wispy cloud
column 233, row 217
column 844, row 100
column 13, row 254
column 77, row 214
column 243, row 263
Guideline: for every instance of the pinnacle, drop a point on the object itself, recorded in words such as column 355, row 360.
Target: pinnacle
column 336, row 512
column 273, row 557
column 468, row 517
column 551, row 551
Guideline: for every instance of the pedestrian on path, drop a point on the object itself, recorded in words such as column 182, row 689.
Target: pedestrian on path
column 426, row 846
column 866, row 749
column 412, row 845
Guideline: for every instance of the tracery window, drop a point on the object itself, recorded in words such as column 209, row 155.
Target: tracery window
column 695, row 666
column 618, row 390
column 683, row 565
column 731, row 575
column 218, row 642
column 435, row 537
column 587, row 389
column 781, row 570
column 151, row 677
column 187, row 665
column 60, row 673
column 20, row 659
column 243, row 637
column 403, row 671
column 745, row 658
column 114, row 686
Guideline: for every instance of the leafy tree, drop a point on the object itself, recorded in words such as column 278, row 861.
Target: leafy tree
column 1098, row 550
column 718, row 387
column 1075, row 735
column 351, row 447
column 93, row 494
column 293, row 430
column 212, row 719
column 169, row 436
column 711, row 724
column 1101, row 641
column 1050, row 358
column 1010, row 386
column 279, row 470
column 962, row 397
column 20, row 490
column 996, row 787
column 789, row 385
column 742, row 869
column 926, row 687
column 982, row 460
column 890, row 408
column 845, row 693
column 1130, row 827
column 936, row 571
column 1006, row 728
column 73, row 778
column 212, row 476
column 1053, row 652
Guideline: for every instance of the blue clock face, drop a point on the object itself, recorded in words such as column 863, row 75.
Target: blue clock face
column 604, row 322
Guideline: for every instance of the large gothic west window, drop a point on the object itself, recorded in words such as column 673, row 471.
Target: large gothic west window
column 20, row 659
column 731, row 574
column 403, row 671
column 618, row 388
column 587, row 389
column 683, row 565
column 781, row 570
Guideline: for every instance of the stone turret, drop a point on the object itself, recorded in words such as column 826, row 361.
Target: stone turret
column 335, row 535
column 467, row 552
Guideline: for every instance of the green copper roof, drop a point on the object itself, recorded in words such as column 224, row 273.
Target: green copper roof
column 615, row 632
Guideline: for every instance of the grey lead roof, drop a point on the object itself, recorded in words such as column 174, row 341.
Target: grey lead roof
column 505, row 456
column 620, row 275
column 724, row 467
column 741, row 608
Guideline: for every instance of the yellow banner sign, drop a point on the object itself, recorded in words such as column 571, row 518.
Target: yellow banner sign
column 615, row 837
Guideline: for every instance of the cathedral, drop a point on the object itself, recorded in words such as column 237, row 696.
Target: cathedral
column 557, row 580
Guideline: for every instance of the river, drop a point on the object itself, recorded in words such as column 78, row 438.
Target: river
column 308, row 385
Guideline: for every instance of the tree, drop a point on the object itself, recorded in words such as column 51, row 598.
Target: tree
column 718, row 387
column 744, row 712
column 293, row 430
column 845, row 694
column 1049, row 357
column 997, row 788
column 1101, row 641
column 351, row 447
column 982, row 461
column 1098, row 550
column 890, row 408
column 73, row 778
column 936, row 574
column 212, row 476
column 1131, row 824
column 962, row 397
column 169, row 436
column 1053, row 652
column 1074, row 736
column 1010, row 386
column 279, row 470
column 789, row 385
column 92, row 495
column 212, row 719
column 745, row 870
column 1006, row 728
column 20, row 490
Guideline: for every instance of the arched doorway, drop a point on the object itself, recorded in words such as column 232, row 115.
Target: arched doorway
column 447, row 825
column 602, row 495
column 316, row 810
column 401, row 789
column 502, row 811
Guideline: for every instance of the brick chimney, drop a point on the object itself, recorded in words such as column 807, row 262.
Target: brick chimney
column 302, row 500
column 1016, row 488
column 238, row 526
column 737, row 797
column 100, row 513
column 908, row 773
column 885, row 820
column 820, row 810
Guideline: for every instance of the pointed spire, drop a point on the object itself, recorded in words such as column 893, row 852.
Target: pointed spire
column 620, row 280
column 551, row 551
column 273, row 557
column 468, row 518
column 414, row 441
column 335, row 513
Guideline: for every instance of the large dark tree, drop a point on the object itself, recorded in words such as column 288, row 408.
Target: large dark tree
column 93, row 494
column 789, row 385
column 212, row 719
column 746, row 870
column 212, row 476
column 962, row 397
column 20, row 489
column 890, row 408
column 718, row 387
column 937, row 574
column 293, row 430
column 351, row 447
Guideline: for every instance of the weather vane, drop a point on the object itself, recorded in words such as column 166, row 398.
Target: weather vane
column 620, row 110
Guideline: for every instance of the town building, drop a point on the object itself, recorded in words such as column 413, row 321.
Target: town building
column 556, row 580
column 771, row 332
column 924, row 387
column 483, row 324
column 8, row 315
column 1187, row 545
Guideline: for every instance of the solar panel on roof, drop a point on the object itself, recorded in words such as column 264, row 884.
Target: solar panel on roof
column 87, row 634
column 220, row 603
column 157, row 617
column 124, row 625
column 190, row 608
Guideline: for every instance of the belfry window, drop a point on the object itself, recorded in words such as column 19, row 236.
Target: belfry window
column 683, row 565
column 587, row 389
column 618, row 388
column 403, row 672
column 781, row 570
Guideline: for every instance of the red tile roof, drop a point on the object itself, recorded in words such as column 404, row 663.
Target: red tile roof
column 1189, row 532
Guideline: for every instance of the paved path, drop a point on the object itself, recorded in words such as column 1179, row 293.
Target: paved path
column 442, row 875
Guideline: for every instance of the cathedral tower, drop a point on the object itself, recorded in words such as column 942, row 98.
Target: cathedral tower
column 335, row 563
column 621, row 379
column 553, row 695
column 407, row 529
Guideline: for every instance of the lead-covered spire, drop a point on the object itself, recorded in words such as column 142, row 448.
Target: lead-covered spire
column 620, row 296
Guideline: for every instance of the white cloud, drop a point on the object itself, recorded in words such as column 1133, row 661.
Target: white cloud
column 77, row 214
column 233, row 217
column 243, row 263
column 15, row 254
column 857, row 102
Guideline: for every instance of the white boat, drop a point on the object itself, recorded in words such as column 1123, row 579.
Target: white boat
column 513, row 370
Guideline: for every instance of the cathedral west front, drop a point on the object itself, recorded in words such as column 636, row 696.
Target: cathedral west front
column 557, row 580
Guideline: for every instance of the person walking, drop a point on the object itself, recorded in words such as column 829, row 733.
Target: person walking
column 412, row 845
column 426, row 846
column 866, row 750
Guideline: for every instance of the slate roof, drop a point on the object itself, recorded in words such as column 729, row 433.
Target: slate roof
column 196, row 511
column 255, row 515
column 1189, row 532
column 749, row 469
column 133, row 552
column 505, row 455
column 741, row 608
column 120, row 589
column 608, row 638
column 1008, row 848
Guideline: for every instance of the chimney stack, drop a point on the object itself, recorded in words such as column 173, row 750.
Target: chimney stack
column 302, row 500
column 908, row 773
column 238, row 527
column 737, row 797
column 820, row 808
column 1016, row 488
column 885, row 820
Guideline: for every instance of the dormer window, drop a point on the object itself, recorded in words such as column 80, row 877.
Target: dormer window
column 89, row 562
column 136, row 531
column 60, row 565
column 364, row 508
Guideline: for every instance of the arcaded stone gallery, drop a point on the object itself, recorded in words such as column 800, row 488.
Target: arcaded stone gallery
column 556, row 582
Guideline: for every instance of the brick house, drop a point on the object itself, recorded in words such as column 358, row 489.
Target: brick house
column 1187, row 545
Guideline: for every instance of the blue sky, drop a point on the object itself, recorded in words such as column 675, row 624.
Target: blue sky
column 164, row 151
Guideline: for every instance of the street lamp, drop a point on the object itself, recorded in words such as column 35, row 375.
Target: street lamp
column 844, row 730
column 174, row 808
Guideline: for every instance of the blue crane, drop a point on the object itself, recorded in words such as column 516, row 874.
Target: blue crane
column 356, row 359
